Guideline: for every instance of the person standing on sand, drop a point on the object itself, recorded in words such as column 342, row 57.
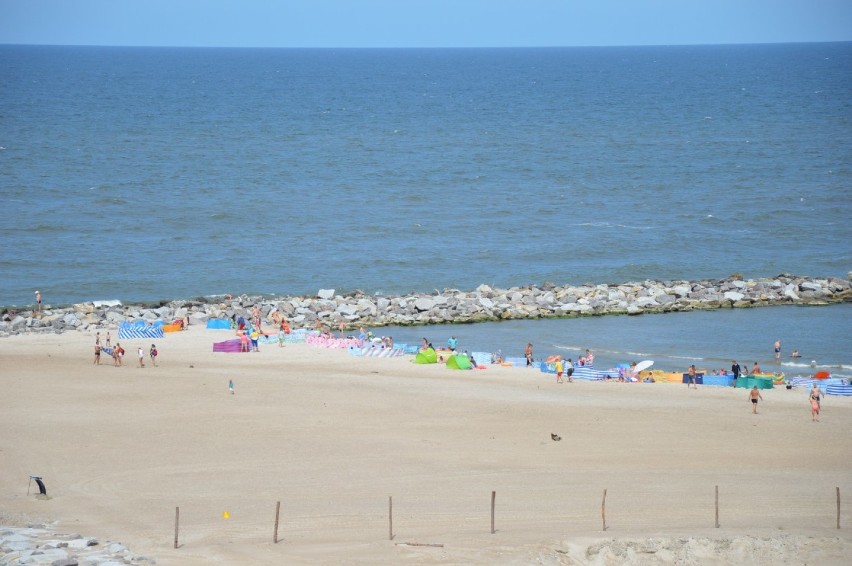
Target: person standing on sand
column 736, row 370
column 569, row 370
column 754, row 395
column 778, row 349
column 814, row 397
column 558, row 370
column 231, row 386
column 528, row 354
column 153, row 353
column 97, row 354
column 141, row 354
column 691, row 377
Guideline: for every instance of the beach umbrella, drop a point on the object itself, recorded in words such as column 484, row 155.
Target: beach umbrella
column 644, row 365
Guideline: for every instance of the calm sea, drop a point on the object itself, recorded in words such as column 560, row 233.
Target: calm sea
column 156, row 173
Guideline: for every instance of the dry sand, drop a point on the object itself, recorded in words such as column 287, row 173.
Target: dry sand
column 332, row 436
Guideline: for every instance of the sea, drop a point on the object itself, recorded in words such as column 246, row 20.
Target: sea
column 146, row 174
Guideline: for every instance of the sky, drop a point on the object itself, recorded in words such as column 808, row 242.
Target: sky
column 421, row 23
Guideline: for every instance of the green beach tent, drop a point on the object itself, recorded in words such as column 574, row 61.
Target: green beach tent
column 427, row 356
column 458, row 361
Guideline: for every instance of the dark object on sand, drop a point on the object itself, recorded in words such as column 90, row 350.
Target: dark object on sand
column 555, row 437
column 41, row 488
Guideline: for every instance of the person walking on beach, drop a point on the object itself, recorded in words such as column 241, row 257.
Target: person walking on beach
column 754, row 395
column 778, row 349
column 141, row 354
column 97, row 354
column 119, row 351
column 569, row 370
column 153, row 353
column 559, row 370
column 691, row 377
column 528, row 354
column 814, row 397
column 736, row 370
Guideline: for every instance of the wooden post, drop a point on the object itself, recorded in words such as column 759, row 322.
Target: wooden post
column 493, row 497
column 277, row 511
column 177, row 524
column 603, row 509
column 717, row 506
column 838, row 506
column 390, row 517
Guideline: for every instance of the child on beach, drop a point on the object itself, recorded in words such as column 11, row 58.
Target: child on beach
column 231, row 386
column 559, row 370
column 814, row 397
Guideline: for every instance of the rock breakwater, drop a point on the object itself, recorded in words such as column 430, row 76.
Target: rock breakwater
column 484, row 303
column 38, row 544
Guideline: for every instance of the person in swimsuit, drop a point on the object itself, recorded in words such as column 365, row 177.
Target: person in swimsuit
column 778, row 349
column 528, row 354
column 814, row 397
column 754, row 395
column 691, row 377
column 558, row 370
column 153, row 353
column 97, row 354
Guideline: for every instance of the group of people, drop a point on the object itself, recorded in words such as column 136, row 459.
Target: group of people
column 118, row 352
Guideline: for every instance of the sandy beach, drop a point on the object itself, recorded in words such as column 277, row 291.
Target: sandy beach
column 332, row 437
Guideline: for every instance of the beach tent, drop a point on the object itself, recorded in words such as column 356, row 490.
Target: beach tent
column 458, row 361
column 427, row 356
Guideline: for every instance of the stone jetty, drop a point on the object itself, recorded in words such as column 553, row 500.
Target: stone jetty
column 39, row 544
column 449, row 306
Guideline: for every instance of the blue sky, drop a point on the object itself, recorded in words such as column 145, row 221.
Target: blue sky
column 421, row 23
